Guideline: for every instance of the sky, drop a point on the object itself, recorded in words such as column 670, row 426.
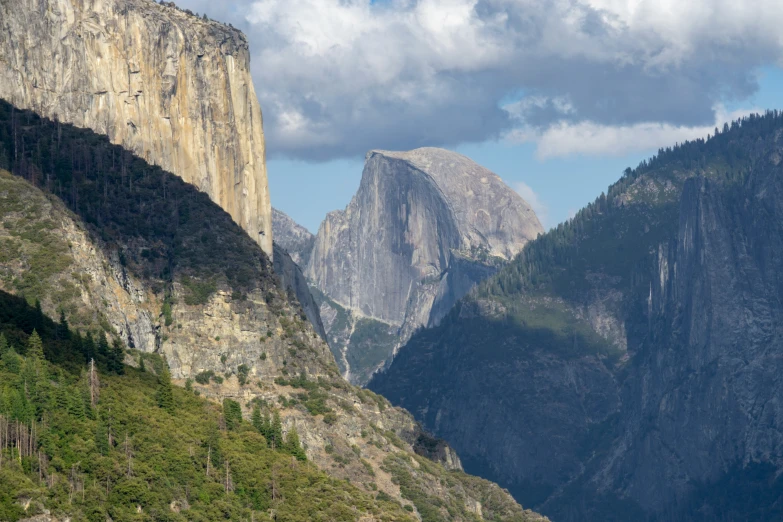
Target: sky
column 557, row 97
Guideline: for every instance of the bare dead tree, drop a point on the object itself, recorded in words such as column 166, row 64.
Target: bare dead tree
column 229, row 482
column 129, row 455
column 94, row 384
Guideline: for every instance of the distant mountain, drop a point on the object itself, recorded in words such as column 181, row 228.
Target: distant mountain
column 423, row 228
column 292, row 237
column 626, row 365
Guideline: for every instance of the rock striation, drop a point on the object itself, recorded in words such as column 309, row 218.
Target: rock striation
column 422, row 229
column 169, row 86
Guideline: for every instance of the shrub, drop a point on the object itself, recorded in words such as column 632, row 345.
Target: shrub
column 204, row 377
column 242, row 372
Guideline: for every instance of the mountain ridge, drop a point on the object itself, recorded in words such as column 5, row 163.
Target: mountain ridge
column 576, row 329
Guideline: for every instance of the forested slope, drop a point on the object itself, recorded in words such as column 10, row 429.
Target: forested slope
column 579, row 376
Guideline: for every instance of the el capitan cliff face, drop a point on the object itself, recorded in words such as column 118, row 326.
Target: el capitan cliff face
column 166, row 85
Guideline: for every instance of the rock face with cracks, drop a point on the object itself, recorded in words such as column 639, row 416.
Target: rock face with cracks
column 423, row 228
column 169, row 86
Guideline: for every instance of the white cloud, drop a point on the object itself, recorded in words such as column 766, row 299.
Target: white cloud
column 590, row 138
column 338, row 77
column 538, row 206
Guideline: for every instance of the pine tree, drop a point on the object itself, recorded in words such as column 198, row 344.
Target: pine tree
column 103, row 352
column 256, row 420
column 293, row 446
column 77, row 345
column 232, row 412
column 76, row 405
column 38, row 315
column 35, row 346
column 63, row 331
column 4, row 346
column 275, row 439
column 61, row 396
column 116, row 357
column 88, row 347
column 165, row 392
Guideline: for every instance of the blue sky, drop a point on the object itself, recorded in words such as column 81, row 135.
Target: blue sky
column 555, row 96
column 307, row 190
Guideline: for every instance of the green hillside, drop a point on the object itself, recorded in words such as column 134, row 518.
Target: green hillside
column 141, row 450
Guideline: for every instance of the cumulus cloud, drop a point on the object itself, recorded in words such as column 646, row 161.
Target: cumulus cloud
column 338, row 77
column 594, row 139
column 538, row 206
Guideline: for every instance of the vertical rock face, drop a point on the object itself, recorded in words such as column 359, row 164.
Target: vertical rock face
column 423, row 228
column 292, row 237
column 412, row 213
column 169, row 86
column 710, row 375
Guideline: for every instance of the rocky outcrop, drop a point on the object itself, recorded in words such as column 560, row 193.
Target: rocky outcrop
column 637, row 385
column 424, row 227
column 292, row 237
column 48, row 255
column 169, row 86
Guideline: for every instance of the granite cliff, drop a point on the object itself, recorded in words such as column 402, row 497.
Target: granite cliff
column 173, row 88
column 292, row 237
column 423, row 228
column 624, row 366
column 121, row 247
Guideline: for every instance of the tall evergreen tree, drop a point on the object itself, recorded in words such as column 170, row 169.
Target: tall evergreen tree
column 35, row 346
column 232, row 412
column 76, row 346
column 256, row 420
column 294, row 446
column 115, row 363
column 38, row 315
column 165, row 393
column 76, row 405
column 4, row 346
column 88, row 347
column 103, row 352
column 62, row 332
column 275, row 439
